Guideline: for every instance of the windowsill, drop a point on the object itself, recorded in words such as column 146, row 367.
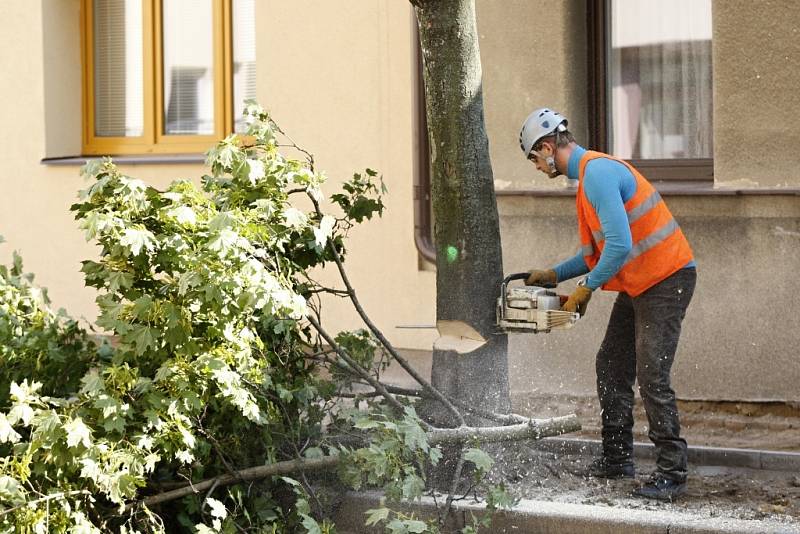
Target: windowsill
column 142, row 159
column 678, row 188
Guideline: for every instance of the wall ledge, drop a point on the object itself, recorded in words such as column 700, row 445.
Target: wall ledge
column 677, row 188
column 144, row 159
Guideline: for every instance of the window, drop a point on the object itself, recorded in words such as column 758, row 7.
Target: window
column 651, row 76
column 165, row 76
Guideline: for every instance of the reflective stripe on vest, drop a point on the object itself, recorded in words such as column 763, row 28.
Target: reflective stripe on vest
column 634, row 215
column 652, row 240
column 649, row 203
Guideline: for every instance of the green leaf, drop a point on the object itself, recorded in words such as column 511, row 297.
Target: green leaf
column 11, row 491
column 413, row 486
column 223, row 241
column 481, row 460
column 17, row 268
column 78, row 433
column 365, row 423
column 7, row 432
column 313, row 452
column 222, row 221
column 406, row 526
column 291, row 481
column 499, row 497
column 142, row 338
column 202, row 292
column 413, row 435
column 187, row 281
column 135, row 240
column 119, row 280
column 376, row 515
column 310, row 524
column 142, row 306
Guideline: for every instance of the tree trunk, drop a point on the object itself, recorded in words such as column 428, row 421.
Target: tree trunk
column 469, row 265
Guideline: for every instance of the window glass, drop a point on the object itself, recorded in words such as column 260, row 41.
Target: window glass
column 188, row 71
column 118, row 68
column 244, row 59
column 660, row 77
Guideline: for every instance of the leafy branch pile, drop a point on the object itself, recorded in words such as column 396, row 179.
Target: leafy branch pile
column 220, row 391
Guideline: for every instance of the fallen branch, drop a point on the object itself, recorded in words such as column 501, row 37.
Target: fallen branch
column 251, row 473
column 534, row 429
column 506, row 419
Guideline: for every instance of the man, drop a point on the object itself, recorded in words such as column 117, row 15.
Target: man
column 631, row 244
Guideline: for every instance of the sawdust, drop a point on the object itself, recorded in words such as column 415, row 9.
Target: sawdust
column 713, row 492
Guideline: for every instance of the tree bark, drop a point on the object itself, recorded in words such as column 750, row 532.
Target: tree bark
column 466, row 228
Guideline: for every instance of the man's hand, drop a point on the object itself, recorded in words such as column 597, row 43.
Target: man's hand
column 546, row 278
column 578, row 301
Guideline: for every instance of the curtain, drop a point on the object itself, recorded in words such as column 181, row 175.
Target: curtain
column 118, row 66
column 244, row 59
column 188, row 30
column 660, row 76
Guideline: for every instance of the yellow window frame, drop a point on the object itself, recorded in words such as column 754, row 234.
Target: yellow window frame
column 153, row 140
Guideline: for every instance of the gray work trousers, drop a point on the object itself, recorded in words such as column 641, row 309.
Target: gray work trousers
column 640, row 344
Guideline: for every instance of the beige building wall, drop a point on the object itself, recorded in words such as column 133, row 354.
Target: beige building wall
column 756, row 97
column 533, row 55
column 343, row 82
column 340, row 77
column 35, row 200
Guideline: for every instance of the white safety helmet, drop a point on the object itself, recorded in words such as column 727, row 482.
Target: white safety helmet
column 540, row 123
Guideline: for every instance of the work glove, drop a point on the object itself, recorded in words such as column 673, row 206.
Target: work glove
column 546, row 278
column 578, row 301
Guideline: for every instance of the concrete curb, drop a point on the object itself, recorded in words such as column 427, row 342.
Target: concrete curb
column 720, row 456
column 546, row 517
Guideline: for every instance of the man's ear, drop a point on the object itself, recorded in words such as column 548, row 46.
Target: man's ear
column 547, row 149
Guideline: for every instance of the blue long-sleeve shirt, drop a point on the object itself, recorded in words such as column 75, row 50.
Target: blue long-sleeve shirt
column 608, row 185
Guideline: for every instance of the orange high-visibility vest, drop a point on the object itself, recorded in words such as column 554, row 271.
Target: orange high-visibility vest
column 659, row 246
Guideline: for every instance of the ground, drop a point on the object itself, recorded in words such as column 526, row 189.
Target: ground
column 713, row 491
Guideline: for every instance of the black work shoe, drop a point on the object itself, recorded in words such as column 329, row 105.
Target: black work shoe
column 603, row 468
column 661, row 488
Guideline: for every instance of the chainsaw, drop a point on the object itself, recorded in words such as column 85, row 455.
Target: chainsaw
column 531, row 309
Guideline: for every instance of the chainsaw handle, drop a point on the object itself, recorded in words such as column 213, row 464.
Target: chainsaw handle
column 521, row 276
column 515, row 276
